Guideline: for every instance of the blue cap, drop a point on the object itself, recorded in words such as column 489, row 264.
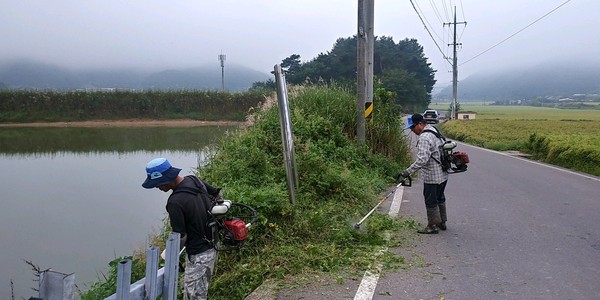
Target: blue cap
column 159, row 172
column 413, row 120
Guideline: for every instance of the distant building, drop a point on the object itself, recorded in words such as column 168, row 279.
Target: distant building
column 566, row 100
column 466, row 115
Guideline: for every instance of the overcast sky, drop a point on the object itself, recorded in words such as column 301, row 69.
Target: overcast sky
column 155, row 34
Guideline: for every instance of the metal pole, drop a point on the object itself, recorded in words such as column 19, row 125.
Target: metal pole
column 171, row 267
column 286, row 133
column 150, row 285
column 124, row 279
column 222, row 58
column 56, row 286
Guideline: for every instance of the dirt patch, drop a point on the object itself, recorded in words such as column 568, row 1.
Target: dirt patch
column 127, row 123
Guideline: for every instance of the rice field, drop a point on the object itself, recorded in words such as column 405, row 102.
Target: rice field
column 564, row 137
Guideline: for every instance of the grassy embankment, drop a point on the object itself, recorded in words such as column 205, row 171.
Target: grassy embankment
column 565, row 137
column 21, row 106
column 339, row 181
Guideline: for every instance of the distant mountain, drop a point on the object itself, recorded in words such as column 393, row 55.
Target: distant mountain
column 27, row 75
column 236, row 78
column 540, row 81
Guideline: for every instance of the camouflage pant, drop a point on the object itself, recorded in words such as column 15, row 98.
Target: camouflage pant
column 198, row 270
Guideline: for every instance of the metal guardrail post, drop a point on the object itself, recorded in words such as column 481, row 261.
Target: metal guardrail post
column 150, row 285
column 286, row 133
column 171, row 267
column 56, row 286
column 157, row 282
column 123, row 279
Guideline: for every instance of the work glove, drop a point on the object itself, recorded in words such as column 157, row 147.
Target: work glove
column 402, row 176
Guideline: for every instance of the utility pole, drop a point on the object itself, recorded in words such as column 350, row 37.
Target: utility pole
column 454, row 67
column 222, row 58
column 364, row 65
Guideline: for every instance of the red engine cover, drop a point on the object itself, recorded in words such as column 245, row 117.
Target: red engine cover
column 462, row 156
column 238, row 228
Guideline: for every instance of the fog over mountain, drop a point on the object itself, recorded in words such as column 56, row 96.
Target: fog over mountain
column 27, row 74
column 160, row 35
column 559, row 79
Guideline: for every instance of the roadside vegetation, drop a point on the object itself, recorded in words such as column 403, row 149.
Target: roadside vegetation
column 339, row 182
column 565, row 137
column 21, row 106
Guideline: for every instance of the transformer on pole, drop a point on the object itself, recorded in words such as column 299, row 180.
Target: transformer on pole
column 222, row 58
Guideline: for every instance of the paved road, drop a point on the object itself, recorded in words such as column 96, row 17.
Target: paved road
column 516, row 230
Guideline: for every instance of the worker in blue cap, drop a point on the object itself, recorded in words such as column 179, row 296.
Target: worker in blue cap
column 188, row 207
column 428, row 161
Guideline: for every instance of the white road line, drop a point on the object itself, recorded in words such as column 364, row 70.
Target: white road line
column 367, row 286
column 396, row 202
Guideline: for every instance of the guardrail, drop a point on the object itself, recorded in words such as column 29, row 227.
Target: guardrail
column 158, row 282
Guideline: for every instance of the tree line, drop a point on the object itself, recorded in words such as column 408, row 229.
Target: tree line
column 400, row 68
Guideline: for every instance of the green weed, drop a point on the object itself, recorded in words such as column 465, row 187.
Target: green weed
column 339, row 181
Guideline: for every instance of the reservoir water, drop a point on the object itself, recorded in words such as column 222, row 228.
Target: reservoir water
column 72, row 198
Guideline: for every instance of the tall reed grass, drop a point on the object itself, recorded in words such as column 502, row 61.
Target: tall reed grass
column 54, row 106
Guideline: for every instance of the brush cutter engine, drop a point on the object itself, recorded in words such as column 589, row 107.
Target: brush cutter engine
column 235, row 232
column 453, row 162
column 230, row 222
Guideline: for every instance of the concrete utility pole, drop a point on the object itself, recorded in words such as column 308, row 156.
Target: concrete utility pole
column 364, row 66
column 454, row 67
column 222, row 58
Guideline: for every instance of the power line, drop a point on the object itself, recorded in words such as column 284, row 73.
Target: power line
column 432, row 38
column 446, row 10
column 462, row 8
column 436, row 11
column 426, row 21
column 504, row 40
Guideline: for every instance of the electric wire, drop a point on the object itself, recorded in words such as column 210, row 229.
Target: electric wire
column 432, row 38
column 504, row 40
column 446, row 11
column 445, row 33
column 426, row 21
column 464, row 18
column 436, row 11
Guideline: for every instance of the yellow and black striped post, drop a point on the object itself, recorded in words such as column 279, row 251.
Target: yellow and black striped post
column 369, row 112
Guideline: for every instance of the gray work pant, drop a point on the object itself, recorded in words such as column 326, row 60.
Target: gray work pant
column 198, row 271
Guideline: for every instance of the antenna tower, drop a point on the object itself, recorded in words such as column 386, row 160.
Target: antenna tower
column 222, row 58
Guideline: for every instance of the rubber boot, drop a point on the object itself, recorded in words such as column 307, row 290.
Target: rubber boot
column 433, row 220
column 443, row 217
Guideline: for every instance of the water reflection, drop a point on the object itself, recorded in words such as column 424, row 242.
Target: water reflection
column 25, row 140
column 72, row 197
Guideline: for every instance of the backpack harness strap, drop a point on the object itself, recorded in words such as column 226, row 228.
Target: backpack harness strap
column 439, row 136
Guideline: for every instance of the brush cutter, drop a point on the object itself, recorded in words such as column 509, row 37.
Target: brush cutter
column 403, row 182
